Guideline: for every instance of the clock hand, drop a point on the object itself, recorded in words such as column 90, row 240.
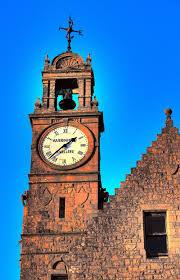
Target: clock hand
column 64, row 146
column 70, row 142
column 57, row 151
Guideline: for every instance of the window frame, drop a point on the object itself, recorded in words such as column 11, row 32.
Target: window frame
column 155, row 234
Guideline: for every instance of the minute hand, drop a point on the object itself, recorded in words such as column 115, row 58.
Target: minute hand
column 64, row 146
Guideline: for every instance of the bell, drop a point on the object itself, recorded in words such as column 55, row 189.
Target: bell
column 67, row 103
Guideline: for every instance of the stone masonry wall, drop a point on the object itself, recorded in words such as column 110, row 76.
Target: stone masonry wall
column 113, row 247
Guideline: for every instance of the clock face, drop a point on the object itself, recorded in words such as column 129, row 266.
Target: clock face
column 64, row 146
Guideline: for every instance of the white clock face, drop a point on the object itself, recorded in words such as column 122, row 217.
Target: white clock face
column 64, row 146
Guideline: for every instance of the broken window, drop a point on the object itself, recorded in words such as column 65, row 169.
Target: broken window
column 155, row 236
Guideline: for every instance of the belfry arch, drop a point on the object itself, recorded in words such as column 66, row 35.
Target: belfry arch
column 67, row 75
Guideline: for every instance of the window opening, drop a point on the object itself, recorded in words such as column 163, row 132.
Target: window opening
column 62, row 207
column 59, row 277
column 155, row 236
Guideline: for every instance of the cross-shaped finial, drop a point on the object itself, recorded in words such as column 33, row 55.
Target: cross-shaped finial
column 70, row 30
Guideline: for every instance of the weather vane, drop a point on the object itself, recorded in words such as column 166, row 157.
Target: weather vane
column 70, row 30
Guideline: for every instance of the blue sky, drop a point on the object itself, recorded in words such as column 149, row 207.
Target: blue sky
column 134, row 46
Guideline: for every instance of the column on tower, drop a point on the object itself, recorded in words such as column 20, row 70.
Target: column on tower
column 88, row 96
column 45, row 94
column 81, row 97
column 52, row 95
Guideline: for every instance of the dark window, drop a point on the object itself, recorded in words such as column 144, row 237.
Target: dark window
column 59, row 277
column 155, row 237
column 62, row 207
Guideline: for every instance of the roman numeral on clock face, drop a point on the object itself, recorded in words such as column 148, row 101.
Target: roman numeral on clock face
column 64, row 161
column 48, row 154
column 83, row 145
column 73, row 159
column 46, row 146
column 56, row 132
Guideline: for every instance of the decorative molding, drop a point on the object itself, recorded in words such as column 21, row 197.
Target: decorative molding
column 69, row 63
column 73, row 188
column 56, row 121
column 76, row 120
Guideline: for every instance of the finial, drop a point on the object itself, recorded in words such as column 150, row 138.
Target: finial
column 47, row 60
column 94, row 103
column 37, row 104
column 70, row 30
column 169, row 122
column 88, row 59
column 168, row 112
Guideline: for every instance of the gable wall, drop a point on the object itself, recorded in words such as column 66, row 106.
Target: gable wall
column 113, row 247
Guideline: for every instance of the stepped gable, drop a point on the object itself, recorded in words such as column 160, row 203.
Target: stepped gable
column 113, row 246
column 160, row 166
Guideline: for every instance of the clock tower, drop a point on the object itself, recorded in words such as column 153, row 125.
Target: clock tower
column 65, row 189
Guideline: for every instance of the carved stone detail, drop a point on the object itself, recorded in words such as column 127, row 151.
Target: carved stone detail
column 47, row 197
column 72, row 189
column 76, row 120
column 44, row 195
column 57, row 121
column 69, row 63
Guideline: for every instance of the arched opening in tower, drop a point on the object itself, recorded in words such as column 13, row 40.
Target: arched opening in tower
column 66, row 91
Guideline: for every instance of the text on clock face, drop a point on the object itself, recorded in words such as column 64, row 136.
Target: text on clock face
column 65, row 146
